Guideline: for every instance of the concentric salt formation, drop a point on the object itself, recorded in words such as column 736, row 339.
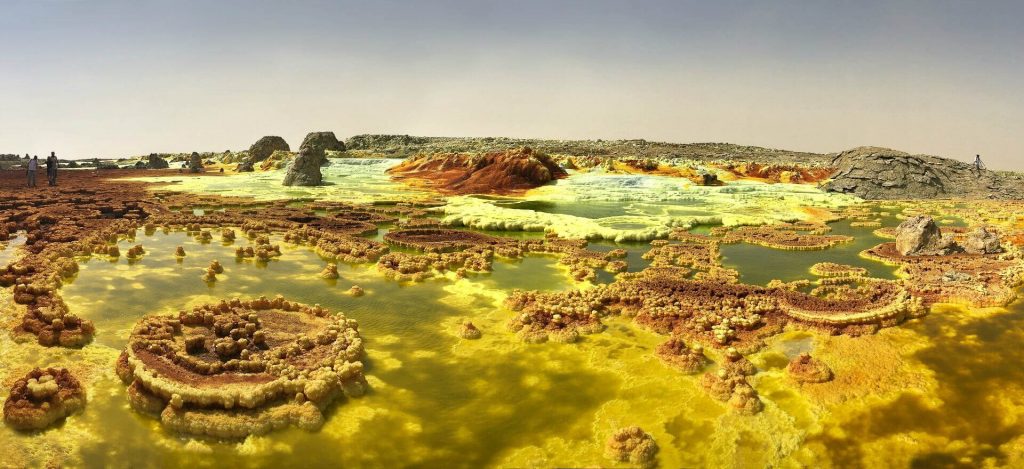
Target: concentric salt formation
column 43, row 397
column 238, row 368
column 632, row 445
column 466, row 251
column 786, row 236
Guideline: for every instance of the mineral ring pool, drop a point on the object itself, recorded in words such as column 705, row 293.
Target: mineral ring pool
column 599, row 321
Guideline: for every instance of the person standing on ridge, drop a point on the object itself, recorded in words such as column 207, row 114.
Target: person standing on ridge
column 978, row 165
column 51, row 169
column 33, row 165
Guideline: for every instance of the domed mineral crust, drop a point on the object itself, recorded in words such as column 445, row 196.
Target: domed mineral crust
column 356, row 291
column 632, row 445
column 239, row 368
column 43, row 397
column 498, row 172
column 806, row 369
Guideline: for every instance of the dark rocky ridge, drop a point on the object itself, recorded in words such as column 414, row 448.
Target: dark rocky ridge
column 880, row 173
column 402, row 146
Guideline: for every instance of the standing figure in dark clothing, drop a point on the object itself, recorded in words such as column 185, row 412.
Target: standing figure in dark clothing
column 51, row 168
column 978, row 165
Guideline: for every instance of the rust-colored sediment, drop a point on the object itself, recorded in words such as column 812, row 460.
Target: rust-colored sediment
column 502, row 172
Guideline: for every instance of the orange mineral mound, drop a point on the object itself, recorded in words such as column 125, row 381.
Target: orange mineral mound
column 793, row 174
column 501, row 172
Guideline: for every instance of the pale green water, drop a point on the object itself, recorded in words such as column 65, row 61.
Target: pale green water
column 759, row 265
column 358, row 180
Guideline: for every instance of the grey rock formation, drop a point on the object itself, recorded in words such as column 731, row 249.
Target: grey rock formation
column 154, row 161
column 245, row 166
column 195, row 163
column 401, row 146
column 920, row 236
column 982, row 241
column 880, row 173
column 304, row 170
column 322, row 142
column 266, row 146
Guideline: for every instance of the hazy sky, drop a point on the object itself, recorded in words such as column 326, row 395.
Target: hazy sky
column 113, row 78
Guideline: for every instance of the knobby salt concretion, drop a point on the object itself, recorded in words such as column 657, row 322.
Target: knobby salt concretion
column 330, row 272
column 632, row 445
column 238, row 368
column 688, row 359
column 43, row 397
column 469, row 331
column 807, row 369
column 729, row 384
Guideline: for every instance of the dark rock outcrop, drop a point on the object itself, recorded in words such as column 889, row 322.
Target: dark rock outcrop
column 709, row 179
column 880, row 173
column 402, row 146
column 304, row 170
column 195, row 163
column 245, row 167
column 920, row 236
column 154, row 161
column 266, row 146
column 322, row 142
